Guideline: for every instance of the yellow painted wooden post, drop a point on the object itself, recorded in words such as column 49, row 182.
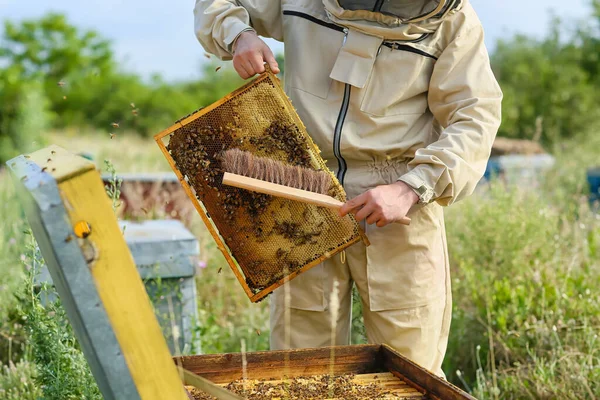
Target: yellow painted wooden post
column 116, row 290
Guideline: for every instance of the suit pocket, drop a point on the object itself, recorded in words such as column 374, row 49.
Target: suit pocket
column 407, row 264
column 306, row 290
column 399, row 83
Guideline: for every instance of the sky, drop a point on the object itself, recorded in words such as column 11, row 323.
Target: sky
column 157, row 36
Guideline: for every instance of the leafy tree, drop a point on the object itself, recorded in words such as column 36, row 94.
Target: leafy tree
column 545, row 79
column 55, row 52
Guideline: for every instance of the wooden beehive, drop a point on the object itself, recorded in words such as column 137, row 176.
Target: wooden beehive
column 95, row 275
column 265, row 240
column 361, row 372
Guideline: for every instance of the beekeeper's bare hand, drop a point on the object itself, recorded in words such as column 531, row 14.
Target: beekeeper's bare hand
column 382, row 205
column 249, row 55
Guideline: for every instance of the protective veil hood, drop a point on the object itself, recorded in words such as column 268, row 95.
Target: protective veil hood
column 396, row 19
column 366, row 30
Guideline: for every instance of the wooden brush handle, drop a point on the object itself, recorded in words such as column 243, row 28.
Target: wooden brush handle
column 287, row 192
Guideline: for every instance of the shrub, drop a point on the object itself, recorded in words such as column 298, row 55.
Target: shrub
column 526, row 270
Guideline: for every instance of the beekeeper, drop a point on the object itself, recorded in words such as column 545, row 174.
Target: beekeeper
column 400, row 98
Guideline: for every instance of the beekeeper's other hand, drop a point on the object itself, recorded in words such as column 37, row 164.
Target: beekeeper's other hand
column 382, row 205
column 250, row 53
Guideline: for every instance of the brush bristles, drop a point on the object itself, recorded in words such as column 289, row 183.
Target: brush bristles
column 244, row 163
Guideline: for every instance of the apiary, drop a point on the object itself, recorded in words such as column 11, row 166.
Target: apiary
column 265, row 240
column 165, row 254
column 347, row 372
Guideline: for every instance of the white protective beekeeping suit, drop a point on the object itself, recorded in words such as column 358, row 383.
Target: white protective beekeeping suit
column 389, row 90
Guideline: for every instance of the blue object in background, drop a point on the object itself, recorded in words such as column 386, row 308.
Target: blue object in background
column 493, row 168
column 593, row 177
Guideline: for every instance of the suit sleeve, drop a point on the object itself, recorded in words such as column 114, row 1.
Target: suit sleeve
column 218, row 23
column 465, row 99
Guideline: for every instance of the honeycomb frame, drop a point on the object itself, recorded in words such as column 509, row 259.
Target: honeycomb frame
column 255, row 117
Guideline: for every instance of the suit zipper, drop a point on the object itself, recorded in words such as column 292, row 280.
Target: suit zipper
column 337, row 132
column 377, row 6
column 339, row 124
column 337, row 135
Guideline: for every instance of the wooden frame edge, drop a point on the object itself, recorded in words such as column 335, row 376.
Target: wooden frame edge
column 438, row 387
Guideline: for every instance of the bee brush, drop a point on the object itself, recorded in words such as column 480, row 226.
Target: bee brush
column 267, row 176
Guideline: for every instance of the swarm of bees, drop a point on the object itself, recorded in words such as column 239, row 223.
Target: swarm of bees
column 294, row 232
column 284, row 138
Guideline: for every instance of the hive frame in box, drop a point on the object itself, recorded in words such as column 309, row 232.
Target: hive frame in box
column 212, row 228
column 266, row 366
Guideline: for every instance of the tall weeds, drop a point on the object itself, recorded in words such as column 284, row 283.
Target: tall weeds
column 526, row 272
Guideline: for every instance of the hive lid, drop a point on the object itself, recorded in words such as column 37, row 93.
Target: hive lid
column 159, row 241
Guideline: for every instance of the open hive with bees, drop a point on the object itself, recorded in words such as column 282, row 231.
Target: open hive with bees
column 266, row 240
column 344, row 372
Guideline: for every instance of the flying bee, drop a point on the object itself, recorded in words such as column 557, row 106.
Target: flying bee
column 61, row 83
column 114, row 124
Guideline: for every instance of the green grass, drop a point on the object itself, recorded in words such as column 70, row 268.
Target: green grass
column 525, row 264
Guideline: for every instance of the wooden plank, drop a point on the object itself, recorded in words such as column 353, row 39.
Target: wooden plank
column 418, row 376
column 207, row 386
column 226, row 368
column 167, row 131
column 121, row 290
column 39, row 195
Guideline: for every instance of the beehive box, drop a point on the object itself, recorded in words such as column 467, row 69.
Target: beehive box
column 165, row 254
column 360, row 372
column 265, row 240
